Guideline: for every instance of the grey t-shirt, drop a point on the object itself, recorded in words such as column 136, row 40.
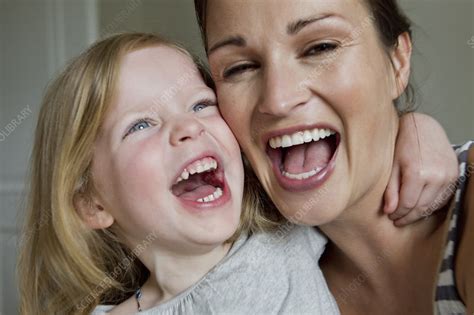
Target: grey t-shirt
column 266, row 273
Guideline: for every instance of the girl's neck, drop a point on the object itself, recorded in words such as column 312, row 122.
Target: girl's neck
column 171, row 273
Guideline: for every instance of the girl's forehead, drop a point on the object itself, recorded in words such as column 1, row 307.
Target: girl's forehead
column 164, row 58
column 156, row 70
column 152, row 79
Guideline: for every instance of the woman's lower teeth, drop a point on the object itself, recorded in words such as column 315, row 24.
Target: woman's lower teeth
column 214, row 196
column 302, row 176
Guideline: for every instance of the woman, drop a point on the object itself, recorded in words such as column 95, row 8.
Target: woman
column 287, row 69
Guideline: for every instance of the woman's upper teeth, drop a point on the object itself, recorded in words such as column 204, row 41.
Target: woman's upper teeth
column 300, row 137
column 203, row 165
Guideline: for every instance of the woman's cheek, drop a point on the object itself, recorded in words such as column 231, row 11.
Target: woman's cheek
column 229, row 112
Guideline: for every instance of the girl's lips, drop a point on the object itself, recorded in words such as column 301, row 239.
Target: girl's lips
column 206, row 154
column 199, row 207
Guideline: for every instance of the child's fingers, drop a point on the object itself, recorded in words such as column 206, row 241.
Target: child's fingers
column 410, row 192
column 425, row 207
column 392, row 191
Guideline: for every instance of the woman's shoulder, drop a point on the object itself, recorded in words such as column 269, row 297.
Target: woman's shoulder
column 464, row 269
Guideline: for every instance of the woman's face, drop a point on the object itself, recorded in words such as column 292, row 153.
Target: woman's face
column 308, row 91
column 165, row 162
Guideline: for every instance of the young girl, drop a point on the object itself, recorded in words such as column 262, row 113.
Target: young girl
column 136, row 197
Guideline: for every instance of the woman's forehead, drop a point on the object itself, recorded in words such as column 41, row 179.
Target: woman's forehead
column 225, row 16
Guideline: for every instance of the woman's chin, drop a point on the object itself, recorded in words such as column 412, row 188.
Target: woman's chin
column 317, row 205
column 310, row 215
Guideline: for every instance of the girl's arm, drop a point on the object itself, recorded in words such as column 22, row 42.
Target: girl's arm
column 425, row 165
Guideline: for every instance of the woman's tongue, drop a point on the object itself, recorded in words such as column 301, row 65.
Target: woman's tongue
column 193, row 189
column 306, row 157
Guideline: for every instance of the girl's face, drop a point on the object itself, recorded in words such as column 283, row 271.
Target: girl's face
column 165, row 162
column 308, row 90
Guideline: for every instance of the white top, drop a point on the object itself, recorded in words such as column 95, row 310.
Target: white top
column 266, row 273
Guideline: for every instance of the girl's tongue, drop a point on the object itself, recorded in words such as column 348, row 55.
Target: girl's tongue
column 306, row 157
column 198, row 186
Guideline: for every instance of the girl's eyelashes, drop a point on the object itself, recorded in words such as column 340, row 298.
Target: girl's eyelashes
column 144, row 123
column 138, row 125
column 320, row 48
column 203, row 104
column 238, row 69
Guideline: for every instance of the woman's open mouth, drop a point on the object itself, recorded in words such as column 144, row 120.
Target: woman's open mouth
column 303, row 159
column 202, row 184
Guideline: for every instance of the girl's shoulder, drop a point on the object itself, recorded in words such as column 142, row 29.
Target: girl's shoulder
column 102, row 309
column 288, row 241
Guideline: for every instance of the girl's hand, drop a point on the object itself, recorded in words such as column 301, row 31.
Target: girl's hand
column 424, row 169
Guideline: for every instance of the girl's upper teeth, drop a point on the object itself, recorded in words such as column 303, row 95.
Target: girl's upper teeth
column 204, row 165
column 300, row 137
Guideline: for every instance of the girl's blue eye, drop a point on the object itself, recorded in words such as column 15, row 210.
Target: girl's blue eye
column 199, row 107
column 139, row 125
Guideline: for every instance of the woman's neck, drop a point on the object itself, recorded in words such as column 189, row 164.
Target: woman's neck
column 171, row 273
column 364, row 241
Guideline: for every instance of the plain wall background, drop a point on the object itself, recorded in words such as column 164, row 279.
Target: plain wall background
column 38, row 36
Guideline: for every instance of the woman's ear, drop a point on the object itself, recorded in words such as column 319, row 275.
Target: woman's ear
column 401, row 61
column 92, row 212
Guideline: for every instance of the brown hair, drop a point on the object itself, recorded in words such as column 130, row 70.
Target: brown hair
column 390, row 22
column 64, row 267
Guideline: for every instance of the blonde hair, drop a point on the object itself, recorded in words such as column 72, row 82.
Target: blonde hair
column 64, row 267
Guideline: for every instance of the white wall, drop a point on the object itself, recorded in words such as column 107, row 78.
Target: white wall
column 36, row 39
column 174, row 19
column 444, row 62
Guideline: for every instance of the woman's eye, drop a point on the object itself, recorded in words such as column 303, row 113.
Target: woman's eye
column 238, row 69
column 139, row 125
column 320, row 48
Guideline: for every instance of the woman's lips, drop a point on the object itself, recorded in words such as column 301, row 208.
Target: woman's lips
column 304, row 159
column 313, row 182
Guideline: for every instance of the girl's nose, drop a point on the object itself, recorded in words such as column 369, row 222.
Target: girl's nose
column 185, row 130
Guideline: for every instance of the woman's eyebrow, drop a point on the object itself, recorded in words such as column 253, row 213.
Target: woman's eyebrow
column 294, row 27
column 235, row 40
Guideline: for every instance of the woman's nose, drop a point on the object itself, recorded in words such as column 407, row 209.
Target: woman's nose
column 281, row 90
column 185, row 129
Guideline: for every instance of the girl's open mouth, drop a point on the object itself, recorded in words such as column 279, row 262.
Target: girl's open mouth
column 304, row 159
column 202, row 184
